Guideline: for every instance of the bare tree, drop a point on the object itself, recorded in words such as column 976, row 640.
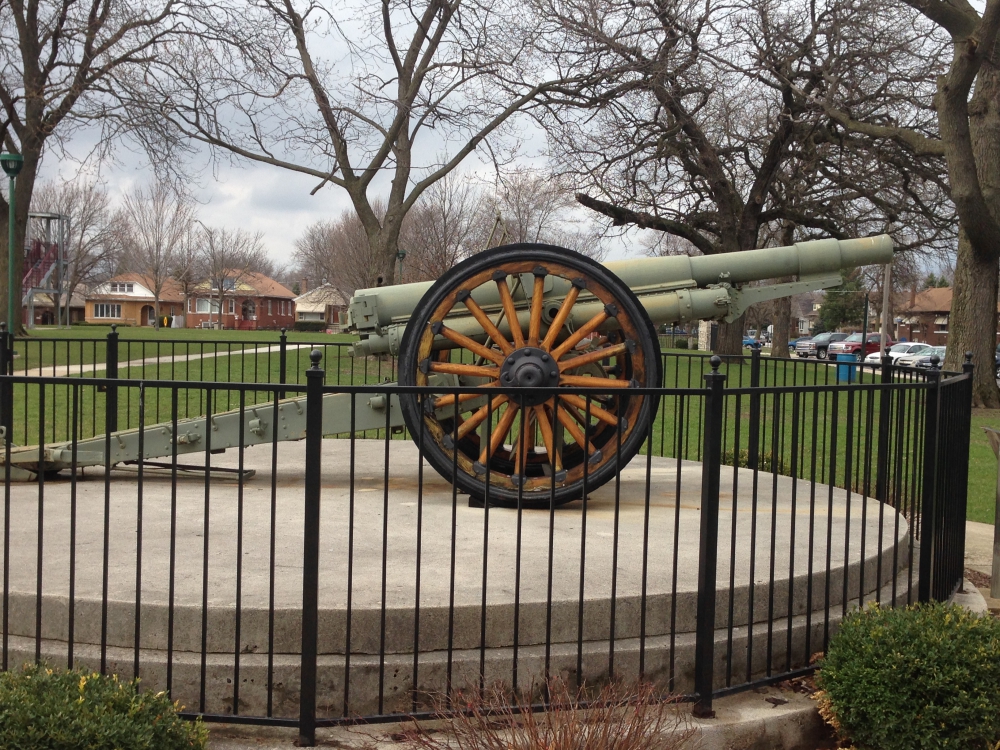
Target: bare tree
column 705, row 112
column 536, row 206
column 90, row 251
column 186, row 263
column 338, row 252
column 58, row 59
column 363, row 97
column 443, row 227
column 154, row 223
column 228, row 257
column 963, row 98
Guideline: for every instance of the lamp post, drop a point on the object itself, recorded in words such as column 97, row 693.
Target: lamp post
column 11, row 164
column 400, row 256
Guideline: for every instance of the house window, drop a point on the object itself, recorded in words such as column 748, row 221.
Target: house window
column 205, row 305
column 190, row 303
column 232, row 306
column 102, row 310
column 122, row 287
column 228, row 285
column 269, row 307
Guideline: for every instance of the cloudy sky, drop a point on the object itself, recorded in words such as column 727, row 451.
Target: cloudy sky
column 252, row 196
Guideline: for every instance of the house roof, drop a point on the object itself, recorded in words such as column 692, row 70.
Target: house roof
column 316, row 300
column 171, row 291
column 255, row 285
column 937, row 299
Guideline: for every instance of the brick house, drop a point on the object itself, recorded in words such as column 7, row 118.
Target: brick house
column 249, row 302
column 128, row 299
column 924, row 317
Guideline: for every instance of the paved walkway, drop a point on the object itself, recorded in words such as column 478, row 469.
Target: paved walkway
column 979, row 554
column 92, row 368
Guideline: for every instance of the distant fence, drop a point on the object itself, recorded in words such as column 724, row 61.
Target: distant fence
column 347, row 580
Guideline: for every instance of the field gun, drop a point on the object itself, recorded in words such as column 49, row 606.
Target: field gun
column 568, row 344
column 529, row 317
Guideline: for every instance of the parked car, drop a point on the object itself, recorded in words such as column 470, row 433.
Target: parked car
column 749, row 342
column 922, row 359
column 896, row 351
column 854, row 345
column 818, row 345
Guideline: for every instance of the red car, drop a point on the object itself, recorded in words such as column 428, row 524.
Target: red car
column 852, row 345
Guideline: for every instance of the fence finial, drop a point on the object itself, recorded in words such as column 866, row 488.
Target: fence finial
column 935, row 361
column 968, row 357
column 114, row 328
column 3, row 328
column 315, row 356
column 715, row 361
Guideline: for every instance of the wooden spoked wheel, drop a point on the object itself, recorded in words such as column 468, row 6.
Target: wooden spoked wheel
column 565, row 417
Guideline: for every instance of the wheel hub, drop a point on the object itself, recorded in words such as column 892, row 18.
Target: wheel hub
column 530, row 368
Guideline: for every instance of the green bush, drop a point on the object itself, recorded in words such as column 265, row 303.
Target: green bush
column 927, row 676
column 58, row 709
column 309, row 325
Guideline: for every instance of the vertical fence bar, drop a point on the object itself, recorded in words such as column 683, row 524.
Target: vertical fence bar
column 310, row 550
column 753, row 442
column 928, row 522
column 704, row 659
column 884, row 419
column 111, row 371
column 282, row 360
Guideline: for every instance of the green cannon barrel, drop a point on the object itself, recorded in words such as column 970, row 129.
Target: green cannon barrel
column 672, row 289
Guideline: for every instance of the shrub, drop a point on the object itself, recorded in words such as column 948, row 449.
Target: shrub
column 58, row 709
column 309, row 325
column 921, row 677
column 619, row 717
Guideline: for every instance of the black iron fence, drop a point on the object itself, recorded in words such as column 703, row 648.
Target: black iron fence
column 313, row 582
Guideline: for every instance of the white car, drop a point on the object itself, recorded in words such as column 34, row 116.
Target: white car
column 896, row 351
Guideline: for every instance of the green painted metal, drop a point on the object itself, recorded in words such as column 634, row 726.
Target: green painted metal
column 672, row 289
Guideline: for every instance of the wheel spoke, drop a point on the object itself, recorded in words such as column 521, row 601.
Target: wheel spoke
column 582, row 332
column 499, row 433
column 560, row 319
column 585, row 381
column 595, row 356
column 573, row 428
column 511, row 312
column 537, row 302
column 473, row 346
column 447, row 400
column 545, row 427
column 595, row 411
column 488, row 326
column 479, row 415
column 524, row 434
column 453, row 368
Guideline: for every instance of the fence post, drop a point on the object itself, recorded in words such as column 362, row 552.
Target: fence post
column 111, row 371
column 282, row 360
column 310, row 550
column 885, row 414
column 6, row 368
column 928, row 508
column 753, row 443
column 708, row 549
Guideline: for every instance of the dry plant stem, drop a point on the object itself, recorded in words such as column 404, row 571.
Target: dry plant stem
column 619, row 717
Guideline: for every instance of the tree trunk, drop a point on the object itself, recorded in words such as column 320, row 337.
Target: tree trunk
column 973, row 312
column 973, row 320
column 782, row 325
column 23, row 188
column 730, row 338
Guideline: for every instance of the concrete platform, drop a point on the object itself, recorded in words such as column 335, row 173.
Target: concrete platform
column 530, row 597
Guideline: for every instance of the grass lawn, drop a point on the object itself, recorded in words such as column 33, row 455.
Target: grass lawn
column 982, row 467
column 814, row 420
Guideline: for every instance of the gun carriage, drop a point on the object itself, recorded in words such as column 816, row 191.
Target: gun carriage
column 566, row 346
